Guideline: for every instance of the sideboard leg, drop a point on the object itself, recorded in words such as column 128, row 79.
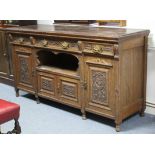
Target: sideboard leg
column 84, row 116
column 37, row 99
column 118, row 128
column 141, row 113
column 17, row 92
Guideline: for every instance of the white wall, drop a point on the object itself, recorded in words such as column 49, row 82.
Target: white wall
column 48, row 22
column 142, row 24
column 150, row 95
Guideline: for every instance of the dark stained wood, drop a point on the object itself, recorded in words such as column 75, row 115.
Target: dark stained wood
column 75, row 21
column 84, row 32
column 97, row 70
column 112, row 22
column 6, row 69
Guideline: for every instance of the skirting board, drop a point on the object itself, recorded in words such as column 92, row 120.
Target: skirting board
column 150, row 108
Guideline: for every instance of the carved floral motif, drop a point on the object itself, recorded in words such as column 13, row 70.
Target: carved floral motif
column 98, row 49
column 68, row 90
column 99, row 87
column 24, row 71
column 47, row 85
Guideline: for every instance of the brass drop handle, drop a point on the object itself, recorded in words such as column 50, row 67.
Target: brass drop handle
column 21, row 40
column 44, row 43
column 65, row 45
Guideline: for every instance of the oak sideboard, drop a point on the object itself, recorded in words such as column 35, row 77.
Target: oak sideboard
column 95, row 69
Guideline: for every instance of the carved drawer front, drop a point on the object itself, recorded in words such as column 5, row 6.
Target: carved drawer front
column 100, row 89
column 68, row 90
column 45, row 42
column 46, row 84
column 99, row 48
column 51, row 43
column 24, row 70
column 99, row 61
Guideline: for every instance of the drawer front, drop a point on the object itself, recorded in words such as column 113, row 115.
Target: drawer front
column 99, row 48
column 69, row 45
column 46, row 42
column 102, row 62
column 46, row 85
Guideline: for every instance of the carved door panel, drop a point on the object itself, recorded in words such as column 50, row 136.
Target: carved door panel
column 46, row 85
column 24, row 70
column 69, row 91
column 4, row 65
column 100, row 87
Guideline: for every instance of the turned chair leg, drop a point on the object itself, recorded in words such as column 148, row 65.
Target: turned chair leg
column 17, row 128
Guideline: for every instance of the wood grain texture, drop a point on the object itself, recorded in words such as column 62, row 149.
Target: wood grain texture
column 6, row 68
column 106, row 76
column 85, row 32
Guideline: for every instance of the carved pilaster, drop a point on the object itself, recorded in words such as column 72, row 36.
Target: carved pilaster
column 32, row 40
column 116, row 51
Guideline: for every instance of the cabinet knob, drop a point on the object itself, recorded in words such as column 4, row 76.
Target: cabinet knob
column 44, row 43
column 65, row 45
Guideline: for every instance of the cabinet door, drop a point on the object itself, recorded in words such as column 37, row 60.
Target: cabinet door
column 46, row 85
column 23, row 68
column 69, row 91
column 4, row 66
column 100, row 86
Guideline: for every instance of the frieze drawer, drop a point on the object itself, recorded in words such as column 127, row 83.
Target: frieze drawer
column 99, row 48
column 51, row 43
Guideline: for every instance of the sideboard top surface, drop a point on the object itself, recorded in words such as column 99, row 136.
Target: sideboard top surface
column 79, row 31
